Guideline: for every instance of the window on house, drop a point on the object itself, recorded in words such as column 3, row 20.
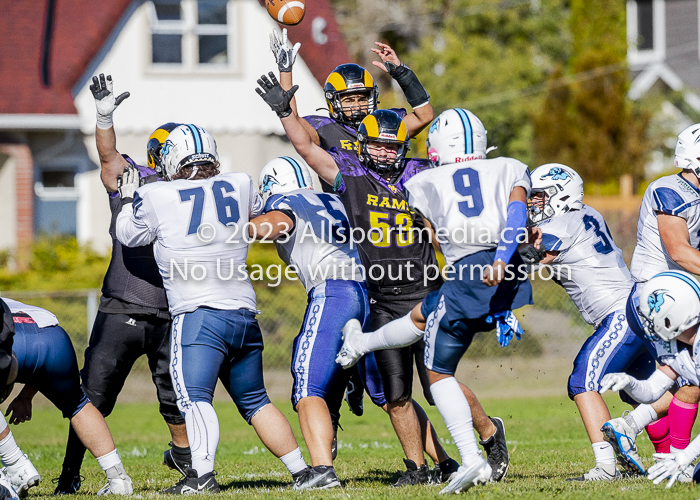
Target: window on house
column 190, row 33
column 645, row 25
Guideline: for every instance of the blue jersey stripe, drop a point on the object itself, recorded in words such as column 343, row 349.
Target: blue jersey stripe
column 468, row 144
column 682, row 277
column 297, row 170
column 197, row 139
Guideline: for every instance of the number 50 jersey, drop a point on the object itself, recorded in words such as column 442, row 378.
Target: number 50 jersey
column 200, row 228
column 467, row 203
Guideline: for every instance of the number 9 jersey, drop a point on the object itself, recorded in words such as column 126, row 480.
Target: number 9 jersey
column 200, row 228
column 467, row 202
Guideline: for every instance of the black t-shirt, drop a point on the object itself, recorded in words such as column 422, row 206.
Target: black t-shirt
column 392, row 258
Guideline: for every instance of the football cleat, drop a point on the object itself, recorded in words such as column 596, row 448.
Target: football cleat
column 335, row 420
column 7, row 492
column 118, row 482
column 192, row 484
column 348, row 356
column 497, row 450
column 413, row 475
column 68, row 483
column 321, row 477
column 445, row 471
column 174, row 463
column 622, row 437
column 466, row 477
column 23, row 475
column 599, row 473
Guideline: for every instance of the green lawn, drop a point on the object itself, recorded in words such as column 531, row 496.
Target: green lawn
column 546, row 440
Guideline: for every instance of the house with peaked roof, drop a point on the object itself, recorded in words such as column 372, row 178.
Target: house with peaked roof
column 189, row 61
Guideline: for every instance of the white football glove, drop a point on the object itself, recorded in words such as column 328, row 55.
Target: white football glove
column 128, row 183
column 284, row 54
column 670, row 466
column 103, row 91
column 615, row 382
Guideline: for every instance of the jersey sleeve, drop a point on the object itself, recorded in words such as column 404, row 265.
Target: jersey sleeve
column 280, row 203
column 256, row 203
column 555, row 237
column 399, row 111
column 668, row 201
column 522, row 176
column 416, row 197
column 138, row 228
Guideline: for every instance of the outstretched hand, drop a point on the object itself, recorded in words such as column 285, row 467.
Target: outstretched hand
column 275, row 96
column 285, row 55
column 102, row 89
column 390, row 60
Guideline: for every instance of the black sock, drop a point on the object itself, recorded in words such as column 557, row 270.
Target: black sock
column 182, row 454
column 75, row 452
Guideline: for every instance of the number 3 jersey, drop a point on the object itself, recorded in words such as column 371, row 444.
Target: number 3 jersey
column 467, row 203
column 391, row 253
column 589, row 265
column 319, row 246
column 671, row 195
column 201, row 238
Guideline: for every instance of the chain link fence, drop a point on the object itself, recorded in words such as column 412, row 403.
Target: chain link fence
column 553, row 318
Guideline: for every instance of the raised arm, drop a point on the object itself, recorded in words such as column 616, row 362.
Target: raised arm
column 112, row 164
column 415, row 93
column 278, row 99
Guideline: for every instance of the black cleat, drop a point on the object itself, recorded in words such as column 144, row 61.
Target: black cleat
column 335, row 420
column 192, row 484
column 67, row 483
column 497, row 450
column 445, row 470
column 171, row 460
column 413, row 475
column 321, row 477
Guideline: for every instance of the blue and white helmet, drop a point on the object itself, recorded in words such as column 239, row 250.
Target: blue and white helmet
column 669, row 304
column 282, row 175
column 455, row 136
column 687, row 154
column 188, row 145
column 562, row 188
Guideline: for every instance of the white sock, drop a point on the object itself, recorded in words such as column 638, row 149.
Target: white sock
column 604, row 453
column 293, row 461
column 203, row 433
column 642, row 416
column 109, row 460
column 455, row 411
column 9, row 451
column 398, row 333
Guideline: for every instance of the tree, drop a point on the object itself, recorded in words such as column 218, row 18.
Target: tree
column 587, row 120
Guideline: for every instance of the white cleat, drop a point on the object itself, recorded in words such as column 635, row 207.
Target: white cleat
column 22, row 475
column 619, row 433
column 118, row 482
column 348, row 355
column 466, row 477
column 7, row 491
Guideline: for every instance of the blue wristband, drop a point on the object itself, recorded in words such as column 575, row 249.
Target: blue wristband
column 515, row 225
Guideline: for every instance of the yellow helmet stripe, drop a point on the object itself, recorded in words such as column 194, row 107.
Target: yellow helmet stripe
column 337, row 81
column 402, row 134
column 369, row 81
column 160, row 134
column 371, row 126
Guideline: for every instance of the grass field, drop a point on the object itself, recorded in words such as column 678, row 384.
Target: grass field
column 546, row 440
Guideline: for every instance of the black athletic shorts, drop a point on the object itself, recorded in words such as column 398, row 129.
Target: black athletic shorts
column 116, row 342
column 396, row 365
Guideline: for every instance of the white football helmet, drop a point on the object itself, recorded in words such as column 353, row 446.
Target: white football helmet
column 669, row 304
column 188, row 145
column 687, row 155
column 455, row 136
column 282, row 175
column 562, row 188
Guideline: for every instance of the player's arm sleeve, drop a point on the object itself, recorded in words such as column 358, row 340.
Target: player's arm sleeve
column 668, row 201
column 649, row 390
column 516, row 222
column 522, row 177
column 416, row 198
column 138, row 227
column 413, row 89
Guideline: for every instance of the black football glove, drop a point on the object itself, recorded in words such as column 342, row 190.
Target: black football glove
column 275, row 96
column 531, row 255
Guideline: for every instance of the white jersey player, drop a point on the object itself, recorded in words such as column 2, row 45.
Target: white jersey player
column 197, row 220
column 588, row 264
column 668, row 235
column 670, row 308
column 478, row 212
column 312, row 234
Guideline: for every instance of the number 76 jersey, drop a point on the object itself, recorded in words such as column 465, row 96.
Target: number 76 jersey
column 200, row 228
column 467, row 203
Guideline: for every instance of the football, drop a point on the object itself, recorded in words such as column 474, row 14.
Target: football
column 289, row 12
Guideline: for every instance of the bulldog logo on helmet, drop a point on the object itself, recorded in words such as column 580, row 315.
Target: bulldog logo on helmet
column 656, row 300
column 557, row 174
